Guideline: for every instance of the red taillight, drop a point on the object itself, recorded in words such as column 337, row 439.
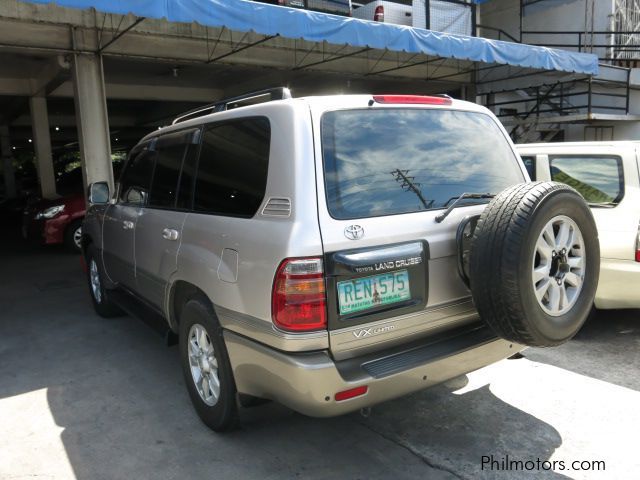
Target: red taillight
column 378, row 15
column 412, row 99
column 354, row 392
column 638, row 246
column 298, row 300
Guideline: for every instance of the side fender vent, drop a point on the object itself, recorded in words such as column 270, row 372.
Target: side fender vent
column 277, row 207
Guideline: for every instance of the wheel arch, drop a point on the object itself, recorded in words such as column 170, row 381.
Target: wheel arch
column 179, row 292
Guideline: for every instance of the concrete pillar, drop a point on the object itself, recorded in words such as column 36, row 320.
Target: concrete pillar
column 7, row 162
column 42, row 142
column 91, row 118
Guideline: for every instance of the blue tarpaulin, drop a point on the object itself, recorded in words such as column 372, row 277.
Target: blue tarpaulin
column 241, row 15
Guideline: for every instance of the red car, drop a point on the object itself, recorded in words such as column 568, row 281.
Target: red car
column 60, row 220
column 56, row 221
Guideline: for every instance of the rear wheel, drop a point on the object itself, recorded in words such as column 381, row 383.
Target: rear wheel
column 534, row 263
column 206, row 366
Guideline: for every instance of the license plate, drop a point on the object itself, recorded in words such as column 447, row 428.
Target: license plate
column 369, row 292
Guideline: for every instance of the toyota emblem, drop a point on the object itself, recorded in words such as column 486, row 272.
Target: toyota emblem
column 354, row 232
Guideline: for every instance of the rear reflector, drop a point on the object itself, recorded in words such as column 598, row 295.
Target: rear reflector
column 638, row 246
column 378, row 15
column 412, row 99
column 354, row 392
column 298, row 300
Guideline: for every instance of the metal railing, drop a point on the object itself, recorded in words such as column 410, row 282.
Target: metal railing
column 555, row 98
column 618, row 45
column 553, row 101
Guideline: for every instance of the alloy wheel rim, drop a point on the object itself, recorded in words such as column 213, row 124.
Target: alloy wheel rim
column 94, row 278
column 559, row 262
column 77, row 237
column 203, row 364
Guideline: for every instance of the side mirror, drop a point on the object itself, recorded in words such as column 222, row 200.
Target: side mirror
column 99, row 193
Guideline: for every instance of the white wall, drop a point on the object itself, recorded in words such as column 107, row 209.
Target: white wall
column 503, row 14
column 549, row 15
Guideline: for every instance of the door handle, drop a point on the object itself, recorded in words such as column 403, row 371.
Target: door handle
column 127, row 225
column 170, row 234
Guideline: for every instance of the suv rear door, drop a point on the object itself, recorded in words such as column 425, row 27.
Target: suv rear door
column 159, row 225
column 384, row 174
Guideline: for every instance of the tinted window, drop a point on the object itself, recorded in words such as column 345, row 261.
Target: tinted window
column 530, row 165
column 232, row 170
column 598, row 179
column 187, row 177
column 170, row 150
column 390, row 161
column 136, row 180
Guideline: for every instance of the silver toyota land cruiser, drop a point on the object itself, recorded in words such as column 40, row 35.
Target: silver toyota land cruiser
column 334, row 252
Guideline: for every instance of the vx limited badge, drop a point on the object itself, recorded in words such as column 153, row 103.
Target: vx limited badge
column 367, row 332
column 354, row 232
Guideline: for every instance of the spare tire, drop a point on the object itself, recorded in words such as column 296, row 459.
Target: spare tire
column 534, row 263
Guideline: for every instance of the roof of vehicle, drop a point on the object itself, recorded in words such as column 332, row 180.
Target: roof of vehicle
column 320, row 102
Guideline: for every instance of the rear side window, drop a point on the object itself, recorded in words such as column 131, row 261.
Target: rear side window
column 391, row 161
column 232, row 170
column 599, row 179
column 530, row 165
column 170, row 150
column 136, row 179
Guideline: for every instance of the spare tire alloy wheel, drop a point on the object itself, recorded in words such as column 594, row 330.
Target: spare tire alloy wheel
column 534, row 263
column 558, row 266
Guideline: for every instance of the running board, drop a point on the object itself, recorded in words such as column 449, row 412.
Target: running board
column 138, row 309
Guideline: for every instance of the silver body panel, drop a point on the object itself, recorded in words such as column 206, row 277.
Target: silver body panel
column 118, row 237
column 308, row 383
column 156, row 256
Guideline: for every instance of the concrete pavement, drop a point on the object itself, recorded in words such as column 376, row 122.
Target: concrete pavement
column 85, row 397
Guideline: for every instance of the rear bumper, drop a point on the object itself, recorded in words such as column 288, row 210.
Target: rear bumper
column 618, row 284
column 308, row 382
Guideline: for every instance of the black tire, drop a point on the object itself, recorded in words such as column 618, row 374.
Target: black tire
column 222, row 415
column 70, row 236
column 503, row 254
column 102, row 304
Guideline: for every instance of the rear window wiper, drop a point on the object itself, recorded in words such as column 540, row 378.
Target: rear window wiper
column 456, row 202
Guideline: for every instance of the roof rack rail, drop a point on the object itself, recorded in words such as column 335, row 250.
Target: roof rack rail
column 261, row 96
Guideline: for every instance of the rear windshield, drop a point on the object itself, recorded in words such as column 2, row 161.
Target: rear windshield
column 392, row 161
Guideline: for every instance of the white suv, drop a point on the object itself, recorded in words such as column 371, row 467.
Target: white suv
column 606, row 174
